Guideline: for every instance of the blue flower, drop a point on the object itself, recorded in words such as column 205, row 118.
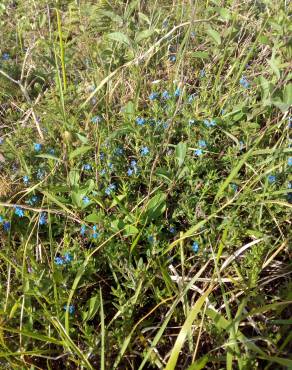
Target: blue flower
column 71, row 309
column 110, row 165
column 1, row 219
column 52, row 151
column 172, row 58
column 191, row 98
column 177, row 92
column 102, row 172
column 172, row 229
column 271, row 179
column 289, row 161
column 210, row 123
column 144, row 151
column 19, row 211
column 133, row 163
column 193, row 34
column 198, row 152
column 37, row 147
column 83, row 230
column 244, row 83
column 202, row 143
column 40, row 174
column 5, row 56
column 119, row 151
column 87, row 167
column 25, row 180
column 241, row 145
column 195, row 247
column 1, row 140
column 95, row 233
column 153, row 96
column 68, row 257
column 6, row 226
column 101, row 156
column 32, row 200
column 96, row 119
column 140, row 121
column 43, row 218
column 165, row 95
column 150, row 239
column 110, row 188
column 191, row 122
column 130, row 172
column 202, row 73
column 234, row 187
column 165, row 125
column 86, row 200
column 59, row 261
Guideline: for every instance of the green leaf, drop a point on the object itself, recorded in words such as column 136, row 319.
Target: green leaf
column 156, row 206
column 215, row 36
column 74, row 177
column 200, row 54
column 180, row 153
column 93, row 217
column 79, row 151
column 82, row 138
column 119, row 37
column 93, row 306
column 145, row 34
column 164, row 174
column 48, row 156
column 224, row 13
column 130, row 230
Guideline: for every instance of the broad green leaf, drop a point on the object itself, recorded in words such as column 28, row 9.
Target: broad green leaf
column 79, row 151
column 93, row 306
column 224, row 13
column 119, row 37
column 180, row 153
column 200, row 54
column 145, row 34
column 74, row 177
column 130, row 230
column 156, row 206
column 215, row 36
column 93, row 217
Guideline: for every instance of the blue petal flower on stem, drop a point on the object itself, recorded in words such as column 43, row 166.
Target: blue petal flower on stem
column 19, row 211
column 86, row 200
column 110, row 189
column 244, row 82
column 234, row 187
column 177, row 92
column 59, row 261
column 202, row 143
column 6, row 226
column 153, row 96
column 271, row 179
column 68, row 257
column 172, row 58
column 289, row 161
column 87, row 167
column 83, row 230
column 195, row 247
column 96, row 119
column 25, row 180
column 71, row 309
column 172, row 229
column 130, row 172
column 165, row 95
column 144, row 151
column 198, row 152
column 1, row 219
column 43, row 218
column 37, row 147
column 140, row 121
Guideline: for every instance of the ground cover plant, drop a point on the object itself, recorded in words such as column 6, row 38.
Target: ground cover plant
column 145, row 184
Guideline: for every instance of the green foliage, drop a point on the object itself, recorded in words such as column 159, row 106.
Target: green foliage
column 145, row 184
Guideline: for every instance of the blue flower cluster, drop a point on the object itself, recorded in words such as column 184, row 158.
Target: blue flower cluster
column 63, row 260
column 244, row 82
column 6, row 224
